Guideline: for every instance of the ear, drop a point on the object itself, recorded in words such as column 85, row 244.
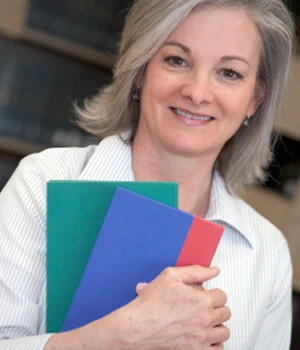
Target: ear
column 258, row 98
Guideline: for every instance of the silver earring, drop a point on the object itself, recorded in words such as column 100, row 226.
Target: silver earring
column 246, row 121
column 136, row 96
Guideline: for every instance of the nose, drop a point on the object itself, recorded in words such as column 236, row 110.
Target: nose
column 198, row 89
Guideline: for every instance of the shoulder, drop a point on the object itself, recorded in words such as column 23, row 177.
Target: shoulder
column 237, row 214
column 57, row 163
column 269, row 250
column 264, row 235
column 27, row 187
column 94, row 162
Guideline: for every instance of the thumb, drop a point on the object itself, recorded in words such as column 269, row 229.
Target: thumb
column 139, row 287
column 197, row 274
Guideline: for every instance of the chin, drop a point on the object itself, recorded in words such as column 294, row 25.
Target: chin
column 184, row 148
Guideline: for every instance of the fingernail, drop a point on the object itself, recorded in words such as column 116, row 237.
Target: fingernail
column 140, row 287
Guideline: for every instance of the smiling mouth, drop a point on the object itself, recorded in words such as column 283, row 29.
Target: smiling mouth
column 187, row 115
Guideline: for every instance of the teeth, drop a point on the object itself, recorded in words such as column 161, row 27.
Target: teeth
column 190, row 116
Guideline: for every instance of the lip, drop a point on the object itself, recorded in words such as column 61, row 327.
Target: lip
column 196, row 116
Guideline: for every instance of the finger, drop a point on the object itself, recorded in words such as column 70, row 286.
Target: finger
column 196, row 274
column 218, row 297
column 140, row 286
column 220, row 315
column 219, row 334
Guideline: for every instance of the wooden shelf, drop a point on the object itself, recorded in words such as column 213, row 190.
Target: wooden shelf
column 13, row 14
column 12, row 17
column 69, row 48
column 19, row 147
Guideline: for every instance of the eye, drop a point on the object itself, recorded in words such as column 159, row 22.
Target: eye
column 176, row 61
column 230, row 74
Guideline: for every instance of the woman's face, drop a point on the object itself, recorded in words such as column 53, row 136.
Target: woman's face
column 201, row 84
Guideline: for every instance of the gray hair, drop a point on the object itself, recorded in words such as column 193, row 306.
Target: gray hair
column 148, row 24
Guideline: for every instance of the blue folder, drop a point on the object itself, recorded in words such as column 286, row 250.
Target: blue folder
column 138, row 239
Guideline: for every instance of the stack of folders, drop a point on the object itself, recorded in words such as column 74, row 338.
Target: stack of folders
column 105, row 237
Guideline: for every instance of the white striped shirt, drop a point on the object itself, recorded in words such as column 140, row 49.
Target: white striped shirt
column 253, row 255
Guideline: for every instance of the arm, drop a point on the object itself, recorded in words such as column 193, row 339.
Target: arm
column 22, row 258
column 275, row 332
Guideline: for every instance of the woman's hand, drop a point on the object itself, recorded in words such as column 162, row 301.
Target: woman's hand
column 175, row 312
column 172, row 312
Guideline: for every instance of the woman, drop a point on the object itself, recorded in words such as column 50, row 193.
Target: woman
column 194, row 96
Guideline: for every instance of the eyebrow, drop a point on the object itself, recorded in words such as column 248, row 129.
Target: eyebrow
column 235, row 58
column 176, row 43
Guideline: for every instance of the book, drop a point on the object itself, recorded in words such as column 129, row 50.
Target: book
column 92, row 23
column 75, row 212
column 37, row 90
column 138, row 239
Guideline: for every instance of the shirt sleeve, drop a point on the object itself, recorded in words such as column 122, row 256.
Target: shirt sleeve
column 275, row 332
column 27, row 343
column 22, row 257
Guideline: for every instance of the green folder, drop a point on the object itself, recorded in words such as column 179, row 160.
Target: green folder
column 75, row 212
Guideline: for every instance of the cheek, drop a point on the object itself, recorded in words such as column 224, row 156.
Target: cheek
column 160, row 83
column 159, row 92
column 236, row 104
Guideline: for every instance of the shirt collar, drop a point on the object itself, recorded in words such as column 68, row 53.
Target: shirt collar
column 227, row 209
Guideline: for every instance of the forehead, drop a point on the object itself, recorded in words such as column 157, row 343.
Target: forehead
column 227, row 29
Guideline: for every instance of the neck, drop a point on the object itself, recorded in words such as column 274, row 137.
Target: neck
column 193, row 175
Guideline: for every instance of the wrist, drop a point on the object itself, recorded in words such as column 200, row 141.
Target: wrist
column 103, row 334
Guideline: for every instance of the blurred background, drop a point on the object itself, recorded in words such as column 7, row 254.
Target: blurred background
column 57, row 52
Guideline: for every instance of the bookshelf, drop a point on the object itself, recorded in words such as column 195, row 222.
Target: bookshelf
column 37, row 89
column 53, row 53
column 87, row 30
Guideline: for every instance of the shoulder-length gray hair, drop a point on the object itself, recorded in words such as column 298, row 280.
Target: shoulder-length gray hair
column 148, row 25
